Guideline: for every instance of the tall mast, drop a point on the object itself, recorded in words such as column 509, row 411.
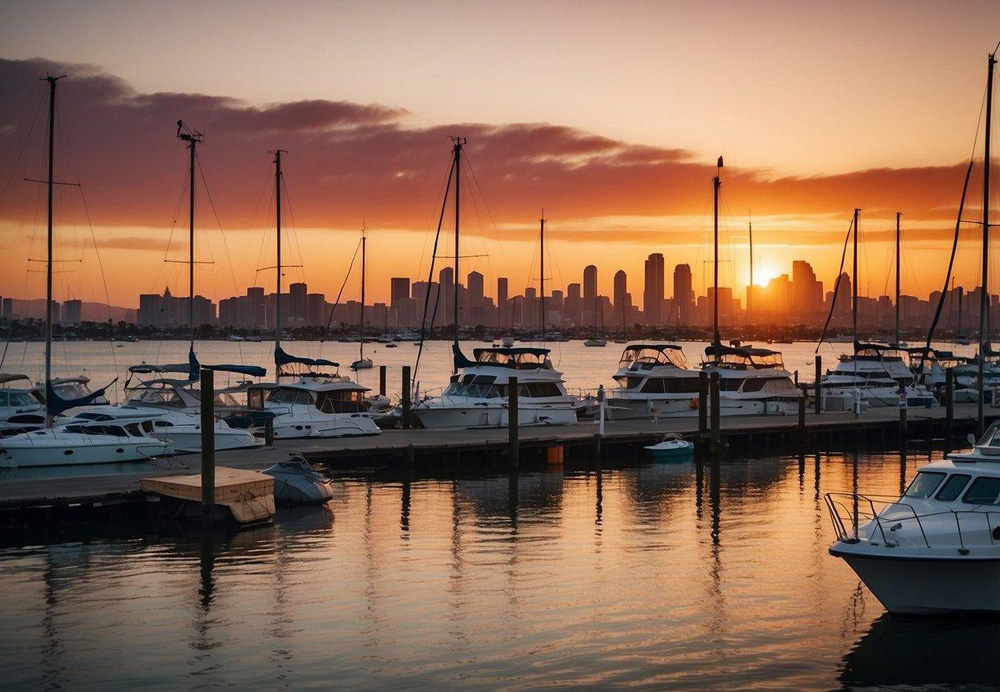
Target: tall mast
column 541, row 281
column 364, row 241
column 984, row 300
column 898, row 214
column 193, row 138
column 457, row 149
column 854, row 286
column 715, row 264
column 750, row 289
column 277, row 295
column 48, row 264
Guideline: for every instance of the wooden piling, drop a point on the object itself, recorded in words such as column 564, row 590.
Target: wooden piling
column 382, row 371
column 702, row 404
column 269, row 431
column 903, row 426
column 802, row 414
column 405, row 423
column 949, row 403
column 818, row 384
column 513, row 442
column 207, row 445
column 715, row 409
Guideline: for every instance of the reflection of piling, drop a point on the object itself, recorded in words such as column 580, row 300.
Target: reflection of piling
column 802, row 415
column 513, row 443
column 949, row 404
column 406, row 397
column 818, row 386
column 381, row 380
column 702, row 404
column 207, row 445
column 715, row 410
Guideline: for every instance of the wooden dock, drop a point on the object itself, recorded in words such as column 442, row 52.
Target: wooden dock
column 479, row 449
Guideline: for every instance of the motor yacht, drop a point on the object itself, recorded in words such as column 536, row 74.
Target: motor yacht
column 936, row 549
column 477, row 395
column 873, row 374
column 653, row 378
column 752, row 381
column 314, row 400
column 98, row 443
column 22, row 408
column 930, row 365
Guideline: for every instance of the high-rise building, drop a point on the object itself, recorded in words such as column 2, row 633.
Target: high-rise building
column 72, row 312
column 573, row 305
column 474, row 292
column 446, row 308
column 683, row 301
column 589, row 286
column 807, row 292
column 621, row 289
column 399, row 288
column 296, row 314
column 652, row 294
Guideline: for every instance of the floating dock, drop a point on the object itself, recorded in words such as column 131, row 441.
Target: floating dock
column 480, row 449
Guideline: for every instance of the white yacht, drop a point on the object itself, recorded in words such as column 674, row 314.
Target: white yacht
column 97, row 443
column 930, row 365
column 653, row 378
column 477, row 395
column 317, row 402
column 874, row 372
column 936, row 549
column 21, row 407
column 752, row 381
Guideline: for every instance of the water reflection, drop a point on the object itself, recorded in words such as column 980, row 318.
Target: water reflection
column 690, row 575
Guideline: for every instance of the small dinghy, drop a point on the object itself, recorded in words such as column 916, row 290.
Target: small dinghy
column 296, row 483
column 672, row 447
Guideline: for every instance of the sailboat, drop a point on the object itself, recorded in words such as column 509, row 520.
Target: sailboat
column 596, row 339
column 173, row 404
column 316, row 401
column 753, row 380
column 362, row 363
column 76, row 444
column 477, row 395
column 875, row 374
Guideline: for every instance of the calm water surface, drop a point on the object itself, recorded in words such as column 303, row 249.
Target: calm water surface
column 679, row 576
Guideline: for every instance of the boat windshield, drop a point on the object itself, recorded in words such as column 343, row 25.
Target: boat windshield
column 10, row 398
column 159, row 396
column 924, row 485
column 650, row 356
column 521, row 360
column 990, row 437
column 478, row 386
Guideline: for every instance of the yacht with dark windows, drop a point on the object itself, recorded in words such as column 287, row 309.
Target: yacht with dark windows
column 653, row 379
column 936, row 549
column 873, row 374
column 751, row 380
column 478, row 393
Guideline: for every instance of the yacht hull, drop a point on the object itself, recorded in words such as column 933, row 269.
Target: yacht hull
column 625, row 409
column 342, row 425
column 190, row 442
column 915, row 586
column 492, row 416
column 70, row 452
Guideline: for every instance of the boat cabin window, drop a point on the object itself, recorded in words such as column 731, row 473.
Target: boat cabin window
column 924, row 485
column 289, row 396
column 983, row 491
column 754, row 385
column 134, row 429
column 520, row 361
column 953, row 487
column 651, row 357
column 342, row 401
column 9, row 398
column 538, row 389
column 255, row 399
column 157, row 397
column 226, row 400
column 671, row 385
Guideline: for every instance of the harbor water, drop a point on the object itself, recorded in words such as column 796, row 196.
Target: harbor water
column 651, row 576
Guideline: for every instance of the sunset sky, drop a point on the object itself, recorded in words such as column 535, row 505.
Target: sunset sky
column 608, row 115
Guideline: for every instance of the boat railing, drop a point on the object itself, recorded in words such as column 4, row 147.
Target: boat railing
column 850, row 511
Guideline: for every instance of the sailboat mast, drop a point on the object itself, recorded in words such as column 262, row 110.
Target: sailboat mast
column 364, row 262
column 854, row 286
column 898, row 214
column 715, row 263
column 984, row 300
column 541, row 280
column 458, row 142
column 48, row 265
column 192, row 137
column 277, row 295
column 750, row 287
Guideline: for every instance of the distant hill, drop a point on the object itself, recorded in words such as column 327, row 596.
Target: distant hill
column 90, row 312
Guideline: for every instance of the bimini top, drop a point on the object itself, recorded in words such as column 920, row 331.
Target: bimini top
column 297, row 366
column 744, row 357
column 521, row 357
column 873, row 351
column 193, row 368
column 652, row 355
column 7, row 378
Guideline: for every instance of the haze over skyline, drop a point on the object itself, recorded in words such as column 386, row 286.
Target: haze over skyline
column 612, row 123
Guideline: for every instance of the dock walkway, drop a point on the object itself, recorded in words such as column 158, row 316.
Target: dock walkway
column 68, row 486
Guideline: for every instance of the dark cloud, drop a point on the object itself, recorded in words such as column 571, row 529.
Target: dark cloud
column 349, row 162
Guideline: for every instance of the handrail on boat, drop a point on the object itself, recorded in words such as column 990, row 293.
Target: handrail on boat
column 846, row 510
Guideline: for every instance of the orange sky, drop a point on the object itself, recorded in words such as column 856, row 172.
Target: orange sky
column 609, row 118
